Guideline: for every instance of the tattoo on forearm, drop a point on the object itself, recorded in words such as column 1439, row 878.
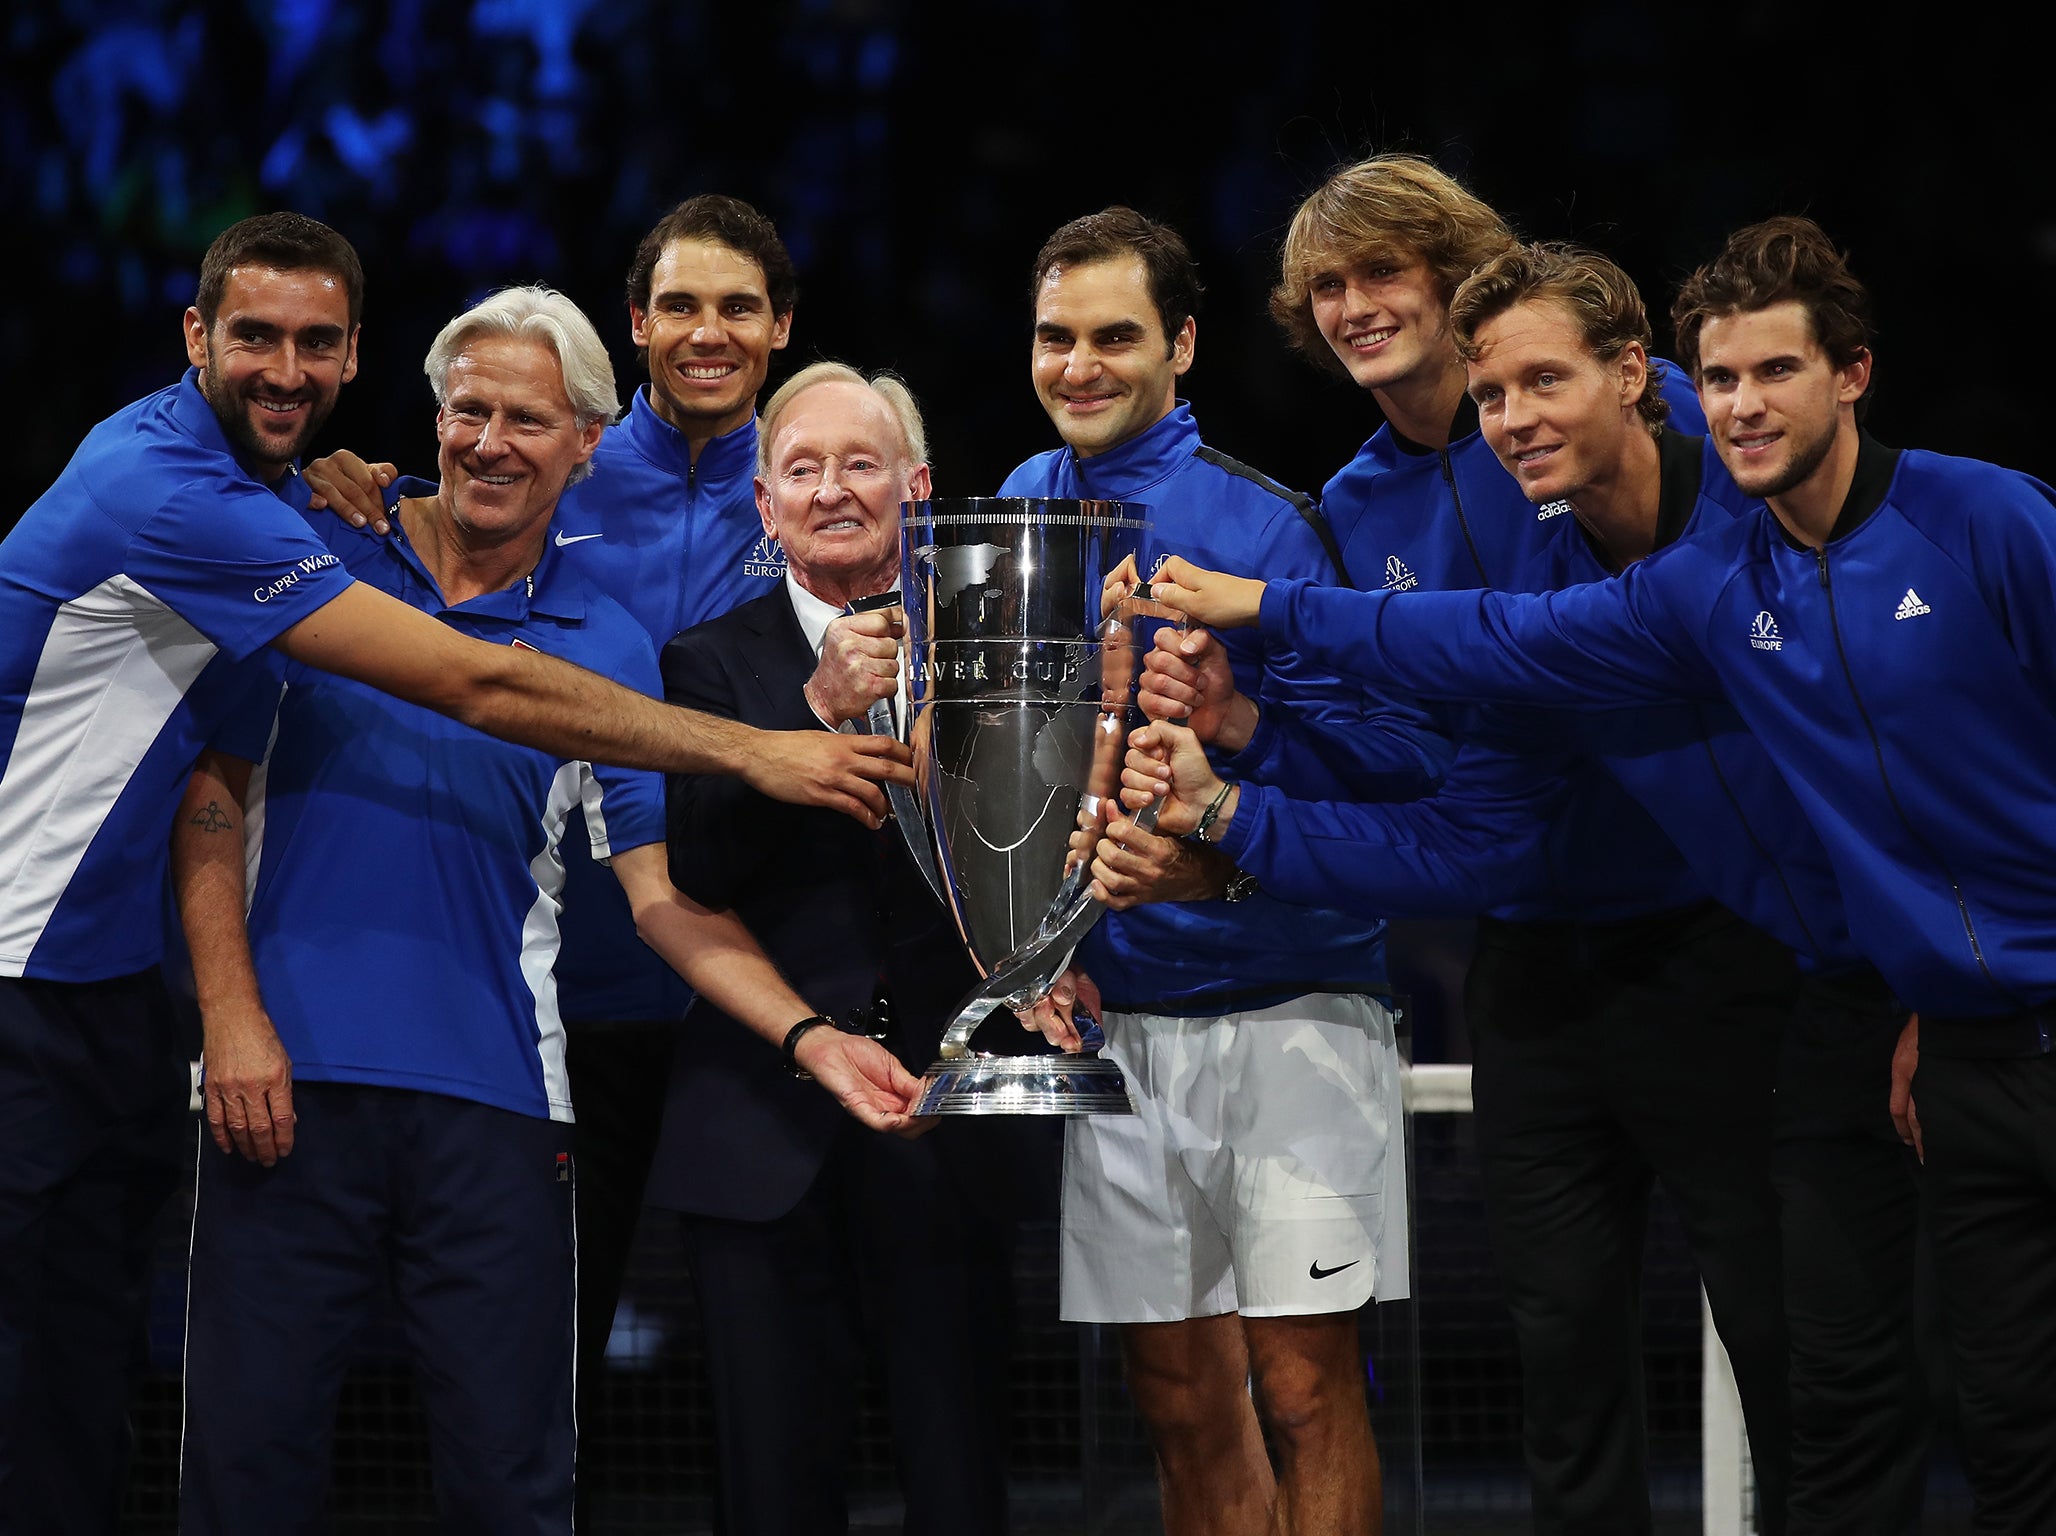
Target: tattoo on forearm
column 211, row 818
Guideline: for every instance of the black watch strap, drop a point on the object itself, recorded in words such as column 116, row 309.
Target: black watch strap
column 790, row 1050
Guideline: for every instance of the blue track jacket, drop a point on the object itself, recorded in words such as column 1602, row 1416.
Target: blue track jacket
column 1692, row 765
column 1207, row 958
column 1903, row 679
column 1526, row 833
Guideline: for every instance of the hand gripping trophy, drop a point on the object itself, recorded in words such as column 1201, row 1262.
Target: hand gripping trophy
column 1021, row 696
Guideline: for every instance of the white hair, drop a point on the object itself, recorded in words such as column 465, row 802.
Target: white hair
column 536, row 313
column 888, row 387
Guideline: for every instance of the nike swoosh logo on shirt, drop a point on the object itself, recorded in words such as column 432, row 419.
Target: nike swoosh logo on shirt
column 576, row 538
column 1315, row 1272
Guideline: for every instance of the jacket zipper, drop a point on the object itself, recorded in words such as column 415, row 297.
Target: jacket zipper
column 1877, row 749
column 1456, row 497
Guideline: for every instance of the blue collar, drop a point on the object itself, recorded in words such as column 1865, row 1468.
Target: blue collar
column 196, row 418
column 550, row 590
column 731, row 455
column 1123, row 472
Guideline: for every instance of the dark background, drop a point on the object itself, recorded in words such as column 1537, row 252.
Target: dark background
column 916, row 154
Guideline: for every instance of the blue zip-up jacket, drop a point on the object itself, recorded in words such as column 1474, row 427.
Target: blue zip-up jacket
column 1692, row 765
column 1205, row 958
column 1525, row 834
column 674, row 543
column 1902, row 678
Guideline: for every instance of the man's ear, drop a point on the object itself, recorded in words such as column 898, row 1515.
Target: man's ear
column 919, row 484
column 1634, row 370
column 1852, row 381
column 638, row 326
column 350, row 356
column 781, row 331
column 196, row 338
column 1182, row 346
column 763, row 490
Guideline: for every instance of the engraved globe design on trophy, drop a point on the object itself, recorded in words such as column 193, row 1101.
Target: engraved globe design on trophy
column 1021, row 697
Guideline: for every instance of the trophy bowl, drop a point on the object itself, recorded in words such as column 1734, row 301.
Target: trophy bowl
column 1021, row 697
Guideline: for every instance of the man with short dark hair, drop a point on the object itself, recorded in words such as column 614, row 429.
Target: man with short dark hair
column 1234, row 1225
column 160, row 559
column 1884, row 627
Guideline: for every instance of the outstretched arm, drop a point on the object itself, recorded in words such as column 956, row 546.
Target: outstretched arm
column 248, row 1081
column 723, row 962
column 536, row 700
column 1601, row 645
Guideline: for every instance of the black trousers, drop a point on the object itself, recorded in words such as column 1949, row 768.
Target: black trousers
column 618, row 1075
column 93, row 1120
column 1607, row 1060
column 467, row 1208
column 898, row 1253
column 1989, row 1128
column 1861, row 1410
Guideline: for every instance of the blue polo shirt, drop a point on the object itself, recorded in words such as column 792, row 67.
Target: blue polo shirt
column 405, row 915
column 675, row 543
column 128, row 592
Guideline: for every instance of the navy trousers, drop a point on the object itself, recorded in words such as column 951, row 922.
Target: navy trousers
column 467, row 1210
column 93, row 1093
column 899, row 1252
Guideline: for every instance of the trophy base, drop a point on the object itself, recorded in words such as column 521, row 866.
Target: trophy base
column 1024, row 1085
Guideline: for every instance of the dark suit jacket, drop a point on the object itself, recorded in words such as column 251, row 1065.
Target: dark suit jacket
column 840, row 908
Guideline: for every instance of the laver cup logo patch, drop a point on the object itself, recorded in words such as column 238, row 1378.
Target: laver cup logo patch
column 765, row 558
column 1763, row 633
column 1397, row 577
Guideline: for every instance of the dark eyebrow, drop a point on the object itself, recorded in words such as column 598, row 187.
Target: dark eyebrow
column 322, row 333
column 1049, row 330
column 740, row 296
column 1120, row 330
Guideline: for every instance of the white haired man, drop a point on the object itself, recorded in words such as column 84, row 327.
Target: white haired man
column 813, row 1242
column 397, row 960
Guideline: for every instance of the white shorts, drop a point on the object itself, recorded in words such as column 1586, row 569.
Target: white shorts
column 1264, row 1172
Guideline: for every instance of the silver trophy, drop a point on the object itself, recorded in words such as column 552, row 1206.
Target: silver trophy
column 1021, row 696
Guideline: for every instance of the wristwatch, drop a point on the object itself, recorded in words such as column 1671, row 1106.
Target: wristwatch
column 1241, row 886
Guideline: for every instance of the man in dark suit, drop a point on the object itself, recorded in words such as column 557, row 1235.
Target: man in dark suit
column 812, row 1245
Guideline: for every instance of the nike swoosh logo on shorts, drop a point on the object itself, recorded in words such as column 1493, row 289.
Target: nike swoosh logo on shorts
column 1315, row 1272
column 576, row 538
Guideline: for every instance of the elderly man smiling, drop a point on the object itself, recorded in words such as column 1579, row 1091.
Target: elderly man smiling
column 398, row 951
column 812, row 1241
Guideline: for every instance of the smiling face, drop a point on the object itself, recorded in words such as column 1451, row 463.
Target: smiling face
column 1558, row 417
column 1774, row 401
column 1102, row 366
column 507, row 440
column 710, row 334
column 279, row 352
column 837, row 470
column 1384, row 319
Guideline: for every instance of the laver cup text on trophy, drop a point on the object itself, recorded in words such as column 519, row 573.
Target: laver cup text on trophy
column 1021, row 699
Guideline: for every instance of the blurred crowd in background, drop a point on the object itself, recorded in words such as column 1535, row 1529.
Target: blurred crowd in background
column 915, row 153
